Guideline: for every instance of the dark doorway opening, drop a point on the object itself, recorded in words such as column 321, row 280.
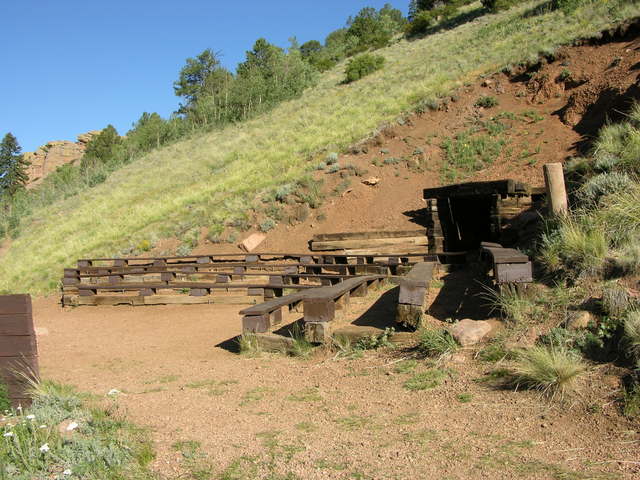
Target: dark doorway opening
column 466, row 221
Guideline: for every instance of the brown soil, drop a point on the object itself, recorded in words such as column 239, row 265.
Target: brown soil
column 330, row 417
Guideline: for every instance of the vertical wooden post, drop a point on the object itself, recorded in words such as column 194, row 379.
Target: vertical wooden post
column 18, row 347
column 556, row 191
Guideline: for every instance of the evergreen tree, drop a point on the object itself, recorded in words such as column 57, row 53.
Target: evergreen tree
column 106, row 148
column 13, row 166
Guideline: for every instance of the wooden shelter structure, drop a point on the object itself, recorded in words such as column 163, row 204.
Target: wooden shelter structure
column 461, row 216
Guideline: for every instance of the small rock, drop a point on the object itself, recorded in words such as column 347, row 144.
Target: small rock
column 579, row 320
column 469, row 332
column 371, row 181
column 252, row 241
column 487, row 83
column 67, row 429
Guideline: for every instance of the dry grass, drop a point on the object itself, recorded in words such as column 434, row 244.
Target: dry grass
column 552, row 370
column 211, row 178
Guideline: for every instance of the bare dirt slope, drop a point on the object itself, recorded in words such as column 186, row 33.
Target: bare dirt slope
column 559, row 105
column 327, row 417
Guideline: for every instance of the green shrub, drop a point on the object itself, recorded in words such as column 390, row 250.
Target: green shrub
column 332, row 158
column 426, row 380
column 616, row 301
column 576, row 246
column 103, row 446
column 619, row 215
column 425, row 19
column 619, row 144
column 552, row 370
column 436, row 342
column 567, row 6
column 5, row 403
column 498, row 5
column 373, row 342
column 512, row 304
column 267, row 225
column 632, row 334
column 487, row 101
column 362, row 66
column 631, row 399
column 602, row 185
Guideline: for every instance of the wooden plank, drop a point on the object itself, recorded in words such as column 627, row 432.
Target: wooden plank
column 256, row 323
column 501, row 187
column 325, row 237
column 395, row 249
column 10, row 304
column 16, row 345
column 11, row 368
column 368, row 243
column 271, row 342
column 318, row 332
column 16, row 324
column 514, row 273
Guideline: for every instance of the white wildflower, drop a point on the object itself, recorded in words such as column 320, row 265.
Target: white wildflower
column 42, row 426
column 72, row 426
column 44, row 447
column 113, row 391
column 31, row 417
column 67, row 472
column 7, row 434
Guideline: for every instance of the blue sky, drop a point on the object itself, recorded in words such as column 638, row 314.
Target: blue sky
column 70, row 66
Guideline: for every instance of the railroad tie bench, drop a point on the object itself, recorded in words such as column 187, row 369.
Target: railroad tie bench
column 412, row 297
column 321, row 306
column 508, row 265
column 89, row 294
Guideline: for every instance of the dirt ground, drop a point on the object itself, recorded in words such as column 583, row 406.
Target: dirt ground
column 326, row 417
column 330, row 417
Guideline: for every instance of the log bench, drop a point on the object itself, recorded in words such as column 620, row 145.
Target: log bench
column 508, row 265
column 412, row 297
column 322, row 305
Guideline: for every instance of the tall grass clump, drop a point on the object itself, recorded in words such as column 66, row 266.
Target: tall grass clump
column 513, row 305
column 619, row 215
column 435, row 342
column 576, row 246
column 98, row 443
column 212, row 176
column 632, row 335
column 552, row 370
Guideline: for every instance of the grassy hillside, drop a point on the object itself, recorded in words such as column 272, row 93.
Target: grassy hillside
column 212, row 178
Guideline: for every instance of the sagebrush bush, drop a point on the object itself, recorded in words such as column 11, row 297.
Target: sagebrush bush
column 363, row 65
column 602, row 185
column 551, row 370
column 616, row 300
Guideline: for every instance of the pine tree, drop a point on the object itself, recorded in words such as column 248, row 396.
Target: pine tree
column 13, row 166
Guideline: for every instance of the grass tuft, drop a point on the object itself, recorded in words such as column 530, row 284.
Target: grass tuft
column 553, row 371
column 436, row 342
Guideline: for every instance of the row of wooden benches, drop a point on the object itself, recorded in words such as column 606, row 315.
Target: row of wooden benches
column 320, row 306
column 304, row 258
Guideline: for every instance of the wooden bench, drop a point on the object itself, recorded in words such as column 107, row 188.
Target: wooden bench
column 508, row 265
column 249, row 258
column 262, row 317
column 321, row 305
column 412, row 297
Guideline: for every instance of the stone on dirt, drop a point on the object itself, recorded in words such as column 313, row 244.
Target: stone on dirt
column 469, row 332
column 252, row 241
column 580, row 319
column 371, row 181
